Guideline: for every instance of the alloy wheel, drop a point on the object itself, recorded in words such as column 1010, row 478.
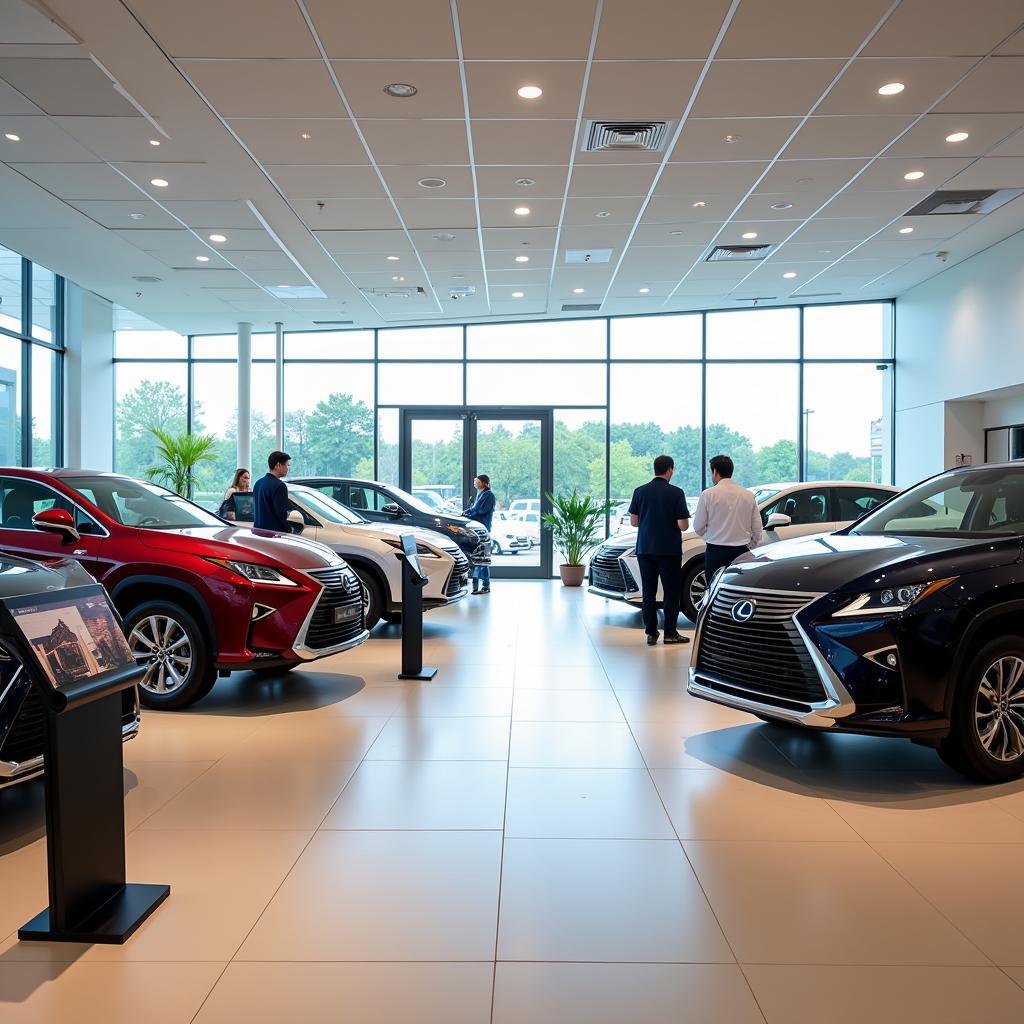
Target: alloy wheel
column 162, row 645
column 999, row 709
column 698, row 586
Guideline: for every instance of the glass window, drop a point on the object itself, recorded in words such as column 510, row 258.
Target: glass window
column 852, row 502
column 148, row 395
column 387, row 446
column 570, row 384
column 22, row 499
column 262, row 418
column 754, row 334
column 137, row 503
column 327, row 509
column 579, row 452
column 805, row 507
column 560, row 339
column 861, row 331
column 329, row 345
column 130, row 343
column 10, row 402
column 44, row 304
column 44, row 406
column 657, row 337
column 10, row 291
column 215, row 346
column 419, row 384
column 752, row 416
column 420, row 343
column 366, row 499
column 264, row 346
column 215, row 412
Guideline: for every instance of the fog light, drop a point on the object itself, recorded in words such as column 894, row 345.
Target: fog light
column 891, row 660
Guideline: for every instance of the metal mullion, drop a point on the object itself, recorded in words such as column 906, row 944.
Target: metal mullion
column 802, row 457
column 703, row 401
column 376, row 407
column 607, row 423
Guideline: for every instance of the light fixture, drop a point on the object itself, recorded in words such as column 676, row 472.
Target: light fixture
column 699, row 205
column 913, row 175
column 522, row 211
column 789, row 274
column 306, row 136
column 282, row 286
column 677, row 233
column 392, row 259
column 203, row 259
column 522, row 259
column 781, row 206
column 732, row 138
column 159, row 182
column 517, row 295
column 891, row 89
column 431, row 183
column 400, row 90
column 136, row 216
column 443, row 236
column 906, row 231
column 530, row 92
column 154, row 142
column 399, row 277
column 218, row 238
column 601, row 214
column 524, row 182
column 644, row 291
column 12, row 137
column 749, row 235
column 957, row 137
column 577, row 291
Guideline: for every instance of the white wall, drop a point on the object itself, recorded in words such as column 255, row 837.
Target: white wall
column 88, row 381
column 958, row 336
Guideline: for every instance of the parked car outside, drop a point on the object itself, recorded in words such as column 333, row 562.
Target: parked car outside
column 529, row 523
column 371, row 551
column 525, row 505
column 787, row 510
column 197, row 596
column 385, row 503
column 22, row 714
column 508, row 534
column 438, row 503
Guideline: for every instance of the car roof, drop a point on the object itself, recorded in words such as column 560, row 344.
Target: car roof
column 60, row 472
column 338, row 479
column 822, row 483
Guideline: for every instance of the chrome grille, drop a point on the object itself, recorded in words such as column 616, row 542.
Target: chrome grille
column 764, row 657
column 459, row 573
column 605, row 571
column 341, row 588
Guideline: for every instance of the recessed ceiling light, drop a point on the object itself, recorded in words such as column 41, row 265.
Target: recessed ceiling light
column 431, row 183
column 306, row 136
column 203, row 259
column 522, row 211
column 906, row 231
column 577, row 291
column 159, row 182
column 825, row 252
column 749, row 234
column 136, row 216
column 154, row 142
column 517, row 295
column 804, row 181
column 530, row 92
column 644, row 291
column 891, row 89
column 602, row 214
column 524, row 182
column 399, row 277
column 392, row 259
column 282, row 286
column 443, row 236
column 218, row 238
column 12, row 137
column 957, row 137
column 699, row 205
column 732, row 138
column 401, row 90
column 913, row 175
column 522, row 259
column 789, row 274
column 781, row 206
column 677, row 233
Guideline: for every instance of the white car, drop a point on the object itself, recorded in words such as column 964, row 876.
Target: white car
column 525, row 505
column 371, row 550
column 508, row 534
column 529, row 524
column 787, row 510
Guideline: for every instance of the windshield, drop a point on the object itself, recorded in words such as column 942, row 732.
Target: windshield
column 764, row 493
column 141, row 504
column 329, row 510
column 981, row 503
column 411, row 500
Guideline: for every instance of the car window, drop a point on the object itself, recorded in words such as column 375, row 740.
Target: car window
column 22, row 499
column 852, row 502
column 363, row 498
column 329, row 510
column 140, row 504
column 804, row 508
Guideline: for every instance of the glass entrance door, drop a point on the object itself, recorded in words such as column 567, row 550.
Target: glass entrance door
column 442, row 450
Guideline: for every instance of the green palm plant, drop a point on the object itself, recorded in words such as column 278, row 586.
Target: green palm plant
column 178, row 455
column 576, row 524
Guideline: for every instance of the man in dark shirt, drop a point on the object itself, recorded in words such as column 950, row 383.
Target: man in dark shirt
column 659, row 511
column 270, row 495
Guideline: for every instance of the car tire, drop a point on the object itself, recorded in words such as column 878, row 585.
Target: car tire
column 373, row 598
column 187, row 655
column 496, row 548
column 986, row 735
column 693, row 574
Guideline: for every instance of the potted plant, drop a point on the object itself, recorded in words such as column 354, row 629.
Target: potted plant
column 178, row 455
column 576, row 523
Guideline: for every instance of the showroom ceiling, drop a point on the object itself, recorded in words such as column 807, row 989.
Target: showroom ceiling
column 339, row 202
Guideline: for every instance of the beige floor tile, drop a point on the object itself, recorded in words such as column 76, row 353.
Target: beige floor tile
column 1016, row 973
column 822, row 903
column 977, row 886
column 430, row 700
column 367, row 702
column 318, row 685
column 565, row 706
column 442, row 739
column 711, row 804
column 613, row 993
column 422, row 795
column 220, row 883
column 566, row 655
column 885, row 995
column 254, row 795
column 385, row 896
column 450, row 675
column 561, row 677
column 313, row 738
column 735, row 748
column 187, row 736
column 826, row 753
column 584, row 803
column 363, row 993
column 676, row 707
column 98, row 993
column 22, row 883
column 151, row 784
column 573, row 745
column 604, row 900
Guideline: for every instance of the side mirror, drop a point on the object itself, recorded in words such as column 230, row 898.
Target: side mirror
column 295, row 518
column 393, row 509
column 777, row 519
column 57, row 520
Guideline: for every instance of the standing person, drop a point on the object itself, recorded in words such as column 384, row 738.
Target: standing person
column 270, row 495
column 659, row 511
column 482, row 511
column 240, row 484
column 727, row 518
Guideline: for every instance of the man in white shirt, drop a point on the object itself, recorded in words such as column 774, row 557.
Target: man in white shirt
column 727, row 518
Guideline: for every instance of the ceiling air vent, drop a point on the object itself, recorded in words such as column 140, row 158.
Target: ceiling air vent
column 395, row 293
column 147, row 279
column 738, row 253
column 629, row 135
column 963, row 201
column 580, row 307
column 333, row 323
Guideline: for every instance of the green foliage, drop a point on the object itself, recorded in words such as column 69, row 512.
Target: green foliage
column 177, row 458
column 577, row 524
column 338, row 433
column 151, row 404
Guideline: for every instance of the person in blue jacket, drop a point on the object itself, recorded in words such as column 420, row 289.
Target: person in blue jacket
column 482, row 511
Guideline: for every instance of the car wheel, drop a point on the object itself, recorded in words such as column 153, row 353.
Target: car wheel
column 496, row 548
column 167, row 640
column 695, row 583
column 373, row 599
column 986, row 736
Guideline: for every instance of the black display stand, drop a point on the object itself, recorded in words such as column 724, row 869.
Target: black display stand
column 90, row 899
column 413, row 581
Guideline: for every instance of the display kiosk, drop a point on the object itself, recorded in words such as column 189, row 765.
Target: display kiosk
column 413, row 581
column 71, row 645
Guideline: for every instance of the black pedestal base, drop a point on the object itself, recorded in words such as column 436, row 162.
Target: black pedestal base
column 424, row 673
column 111, row 924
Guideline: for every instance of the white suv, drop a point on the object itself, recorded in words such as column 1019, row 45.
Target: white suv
column 371, row 550
column 787, row 510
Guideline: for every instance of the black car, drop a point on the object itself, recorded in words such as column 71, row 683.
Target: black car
column 22, row 715
column 908, row 623
column 384, row 503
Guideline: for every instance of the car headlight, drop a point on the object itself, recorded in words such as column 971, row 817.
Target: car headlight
column 460, row 531
column 891, row 600
column 421, row 549
column 254, row 573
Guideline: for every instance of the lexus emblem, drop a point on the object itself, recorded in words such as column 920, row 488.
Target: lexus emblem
column 743, row 611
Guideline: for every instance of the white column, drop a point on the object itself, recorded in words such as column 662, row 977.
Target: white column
column 245, row 396
column 279, row 383
column 88, row 381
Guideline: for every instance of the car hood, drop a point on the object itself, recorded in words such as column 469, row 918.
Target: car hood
column 831, row 561
column 382, row 531
column 242, row 544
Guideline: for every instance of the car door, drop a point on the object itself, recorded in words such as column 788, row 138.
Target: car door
column 368, row 502
column 850, row 503
column 809, row 511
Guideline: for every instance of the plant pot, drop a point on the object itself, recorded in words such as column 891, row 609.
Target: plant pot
column 572, row 575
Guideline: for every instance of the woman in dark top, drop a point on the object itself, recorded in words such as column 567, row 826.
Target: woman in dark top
column 482, row 511
column 241, row 483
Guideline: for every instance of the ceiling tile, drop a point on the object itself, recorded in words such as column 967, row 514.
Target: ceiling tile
column 770, row 232
column 499, row 182
column 279, row 140
column 995, row 86
column 653, row 29
column 465, row 239
column 845, row 136
column 992, row 172
column 1015, row 44
column 938, row 28
column 800, row 205
column 497, row 213
column 366, row 30
column 42, row 141
column 615, row 181
column 366, row 241
column 752, row 138
column 527, row 30
column 928, row 137
column 249, row 261
column 526, row 141
column 416, row 142
column 640, row 90
column 924, row 80
column 677, row 234
column 117, row 214
column 325, row 181
column 519, row 237
column 810, row 175
column 74, row 86
column 503, row 274
column 826, row 229
column 185, row 181
column 1013, row 146
column 874, row 204
column 127, row 138
column 492, row 89
column 684, row 207
column 751, row 88
column 213, row 214
column 886, row 175
column 438, row 82
column 266, row 88
column 439, row 214
column 446, row 262
column 81, row 181
column 693, row 179
column 376, row 214
column 582, row 211
column 403, row 181
column 584, row 236
column 12, row 102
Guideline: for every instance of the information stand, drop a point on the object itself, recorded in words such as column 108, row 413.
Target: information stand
column 413, row 581
column 71, row 645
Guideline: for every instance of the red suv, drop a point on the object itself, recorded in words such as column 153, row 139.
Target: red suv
column 198, row 597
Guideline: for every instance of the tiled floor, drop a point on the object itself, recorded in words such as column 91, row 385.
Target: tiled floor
column 551, row 831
